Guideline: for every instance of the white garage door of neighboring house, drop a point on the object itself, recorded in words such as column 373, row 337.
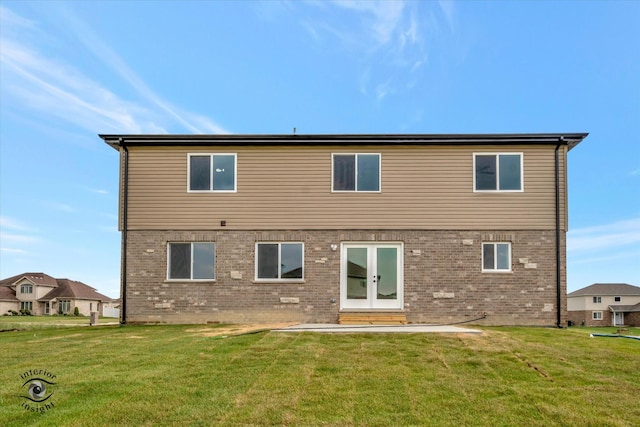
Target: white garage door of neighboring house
column 111, row 312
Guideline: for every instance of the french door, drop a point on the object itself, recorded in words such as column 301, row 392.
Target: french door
column 371, row 276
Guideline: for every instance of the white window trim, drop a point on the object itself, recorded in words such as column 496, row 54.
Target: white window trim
column 497, row 190
column 495, row 257
column 211, row 156
column 169, row 279
column 597, row 300
column 356, row 172
column 617, row 300
column 593, row 315
column 279, row 279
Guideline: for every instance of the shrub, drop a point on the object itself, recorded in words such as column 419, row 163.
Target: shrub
column 76, row 312
column 25, row 312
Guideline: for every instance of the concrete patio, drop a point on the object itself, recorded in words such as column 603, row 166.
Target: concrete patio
column 410, row 328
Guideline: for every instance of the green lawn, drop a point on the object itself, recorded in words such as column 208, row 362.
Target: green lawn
column 187, row 375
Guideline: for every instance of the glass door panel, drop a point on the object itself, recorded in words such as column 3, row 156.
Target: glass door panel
column 387, row 273
column 357, row 273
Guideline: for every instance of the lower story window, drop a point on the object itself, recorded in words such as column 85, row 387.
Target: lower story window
column 64, row 306
column 279, row 261
column 191, row 261
column 26, row 305
column 596, row 315
column 496, row 257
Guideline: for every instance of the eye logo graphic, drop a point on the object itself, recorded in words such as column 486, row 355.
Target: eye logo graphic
column 38, row 388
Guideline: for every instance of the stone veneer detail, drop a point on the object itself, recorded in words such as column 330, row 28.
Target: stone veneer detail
column 443, row 282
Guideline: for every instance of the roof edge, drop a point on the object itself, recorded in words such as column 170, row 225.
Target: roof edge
column 116, row 141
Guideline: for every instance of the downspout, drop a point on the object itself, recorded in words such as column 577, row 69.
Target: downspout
column 125, row 204
column 558, row 258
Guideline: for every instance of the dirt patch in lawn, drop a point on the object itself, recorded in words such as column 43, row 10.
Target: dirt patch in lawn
column 237, row 329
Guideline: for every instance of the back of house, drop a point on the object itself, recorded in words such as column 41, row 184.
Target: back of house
column 324, row 228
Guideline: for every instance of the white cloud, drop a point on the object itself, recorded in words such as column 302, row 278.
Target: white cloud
column 382, row 18
column 448, row 9
column 96, row 190
column 86, row 36
column 17, row 238
column 13, row 251
column 388, row 40
column 53, row 87
column 604, row 237
column 13, row 224
column 62, row 207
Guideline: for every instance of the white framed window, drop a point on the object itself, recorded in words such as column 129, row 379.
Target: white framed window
column 191, row 261
column 496, row 257
column 596, row 315
column 279, row 261
column 617, row 299
column 356, row 172
column 26, row 288
column 597, row 300
column 498, row 172
column 26, row 305
column 211, row 172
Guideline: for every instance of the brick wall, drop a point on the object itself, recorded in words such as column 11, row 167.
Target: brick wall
column 443, row 282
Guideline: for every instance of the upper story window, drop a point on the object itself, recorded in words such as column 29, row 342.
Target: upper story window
column 212, row 172
column 497, row 172
column 26, row 288
column 597, row 300
column 496, row 257
column 356, row 172
column 617, row 299
column 279, row 261
column 191, row 261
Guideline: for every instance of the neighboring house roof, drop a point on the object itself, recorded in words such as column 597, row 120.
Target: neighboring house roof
column 614, row 289
column 40, row 279
column 74, row 290
column 569, row 139
column 625, row 308
column 7, row 294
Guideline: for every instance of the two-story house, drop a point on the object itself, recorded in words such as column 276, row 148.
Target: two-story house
column 605, row 304
column 315, row 228
column 41, row 294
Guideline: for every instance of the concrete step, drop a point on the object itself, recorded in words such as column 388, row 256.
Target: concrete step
column 372, row 318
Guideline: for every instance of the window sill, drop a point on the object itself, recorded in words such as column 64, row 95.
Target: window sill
column 189, row 281
column 278, row 281
column 498, row 271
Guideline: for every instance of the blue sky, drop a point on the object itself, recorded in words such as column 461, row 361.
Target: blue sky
column 71, row 70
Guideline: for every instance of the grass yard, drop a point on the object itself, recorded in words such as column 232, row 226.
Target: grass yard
column 191, row 375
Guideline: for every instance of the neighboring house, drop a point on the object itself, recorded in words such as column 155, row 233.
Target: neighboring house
column 308, row 228
column 605, row 304
column 42, row 294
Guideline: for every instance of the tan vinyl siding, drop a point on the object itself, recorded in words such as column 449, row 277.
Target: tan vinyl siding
column 423, row 187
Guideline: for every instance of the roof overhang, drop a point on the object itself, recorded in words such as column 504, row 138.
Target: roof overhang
column 568, row 139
